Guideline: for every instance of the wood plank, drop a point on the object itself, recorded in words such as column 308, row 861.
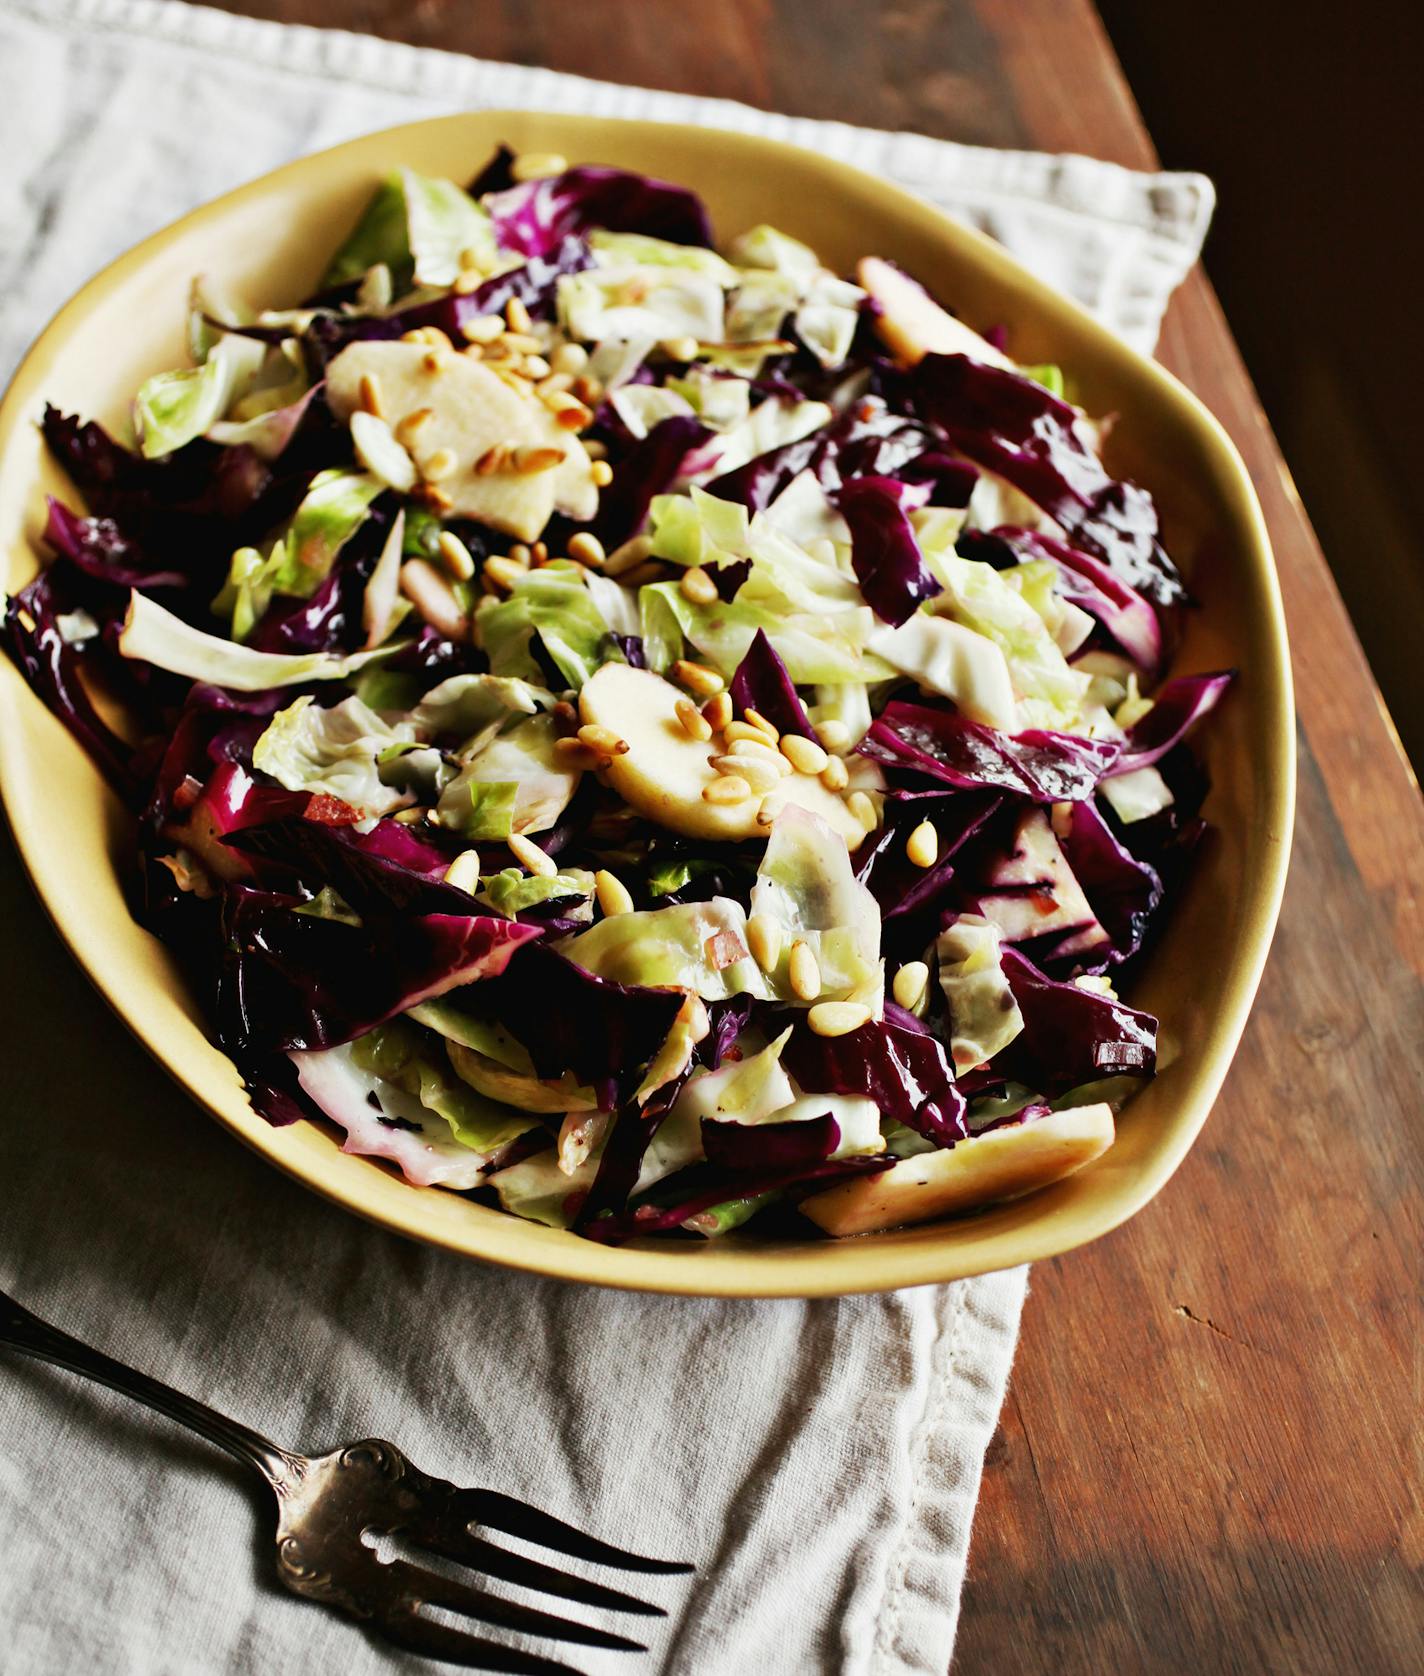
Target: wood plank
column 1206, row 1461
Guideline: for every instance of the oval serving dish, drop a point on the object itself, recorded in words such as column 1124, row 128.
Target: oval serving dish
column 267, row 240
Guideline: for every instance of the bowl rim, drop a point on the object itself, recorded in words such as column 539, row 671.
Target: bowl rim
column 811, row 1269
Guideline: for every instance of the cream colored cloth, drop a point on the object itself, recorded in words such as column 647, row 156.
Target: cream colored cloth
column 818, row 1461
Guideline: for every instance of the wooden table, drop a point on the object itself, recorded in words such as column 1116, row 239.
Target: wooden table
column 1206, row 1461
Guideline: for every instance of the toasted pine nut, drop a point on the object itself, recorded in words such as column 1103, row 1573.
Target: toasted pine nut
column 434, row 497
column 570, row 358
column 459, row 561
column 726, row 788
column 764, row 941
column 587, row 549
column 520, row 554
column 493, row 460
column 922, row 846
column 573, row 753
column 754, row 718
column 804, row 755
column 534, row 165
column 613, row 895
column 694, row 723
column 718, row 711
column 528, row 854
column 464, row 871
column 552, row 384
column 754, row 751
column 698, row 586
column 753, row 735
column 697, row 678
column 680, row 349
column 599, row 738
column 440, row 464
column 407, row 427
column 535, row 366
column 569, row 411
column 522, row 343
column 466, row 281
column 528, row 462
column 482, row 328
column 759, row 775
column 601, row 473
column 909, row 984
column 859, row 804
column 370, row 389
column 835, row 776
column 409, row 817
column 538, row 553
column 433, row 361
column 837, row 1018
column 502, row 572
column 627, row 557
column 833, row 734
column 803, row 972
column 517, row 315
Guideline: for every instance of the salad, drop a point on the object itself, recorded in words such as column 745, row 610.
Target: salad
column 650, row 734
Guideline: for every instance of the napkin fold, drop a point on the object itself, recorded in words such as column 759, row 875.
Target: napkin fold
column 818, row 1460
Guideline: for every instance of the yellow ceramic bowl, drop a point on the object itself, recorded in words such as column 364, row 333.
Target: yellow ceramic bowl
column 269, row 241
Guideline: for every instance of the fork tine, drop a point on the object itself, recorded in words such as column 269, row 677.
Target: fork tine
column 488, row 1557
column 458, row 1646
column 516, row 1518
column 431, row 1589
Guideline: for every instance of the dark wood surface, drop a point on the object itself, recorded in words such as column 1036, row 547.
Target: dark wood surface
column 1210, row 1456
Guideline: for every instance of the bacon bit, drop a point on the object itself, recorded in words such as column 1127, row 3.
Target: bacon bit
column 327, row 810
column 723, row 949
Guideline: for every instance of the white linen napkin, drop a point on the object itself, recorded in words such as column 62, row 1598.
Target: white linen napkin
column 819, row 1461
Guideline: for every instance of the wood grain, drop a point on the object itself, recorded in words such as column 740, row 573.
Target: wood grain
column 1209, row 1460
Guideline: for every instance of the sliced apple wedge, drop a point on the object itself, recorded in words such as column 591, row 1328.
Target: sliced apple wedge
column 1002, row 1164
column 665, row 770
column 470, row 411
column 1033, row 890
column 911, row 323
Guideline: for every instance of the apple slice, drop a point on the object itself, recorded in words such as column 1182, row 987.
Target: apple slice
column 665, row 770
column 912, row 324
column 1002, row 1164
column 470, row 411
column 1037, row 859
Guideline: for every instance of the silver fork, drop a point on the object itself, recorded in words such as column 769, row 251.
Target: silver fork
column 327, row 1503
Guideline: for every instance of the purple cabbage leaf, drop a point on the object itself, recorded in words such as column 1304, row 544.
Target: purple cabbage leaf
column 762, row 683
column 533, row 217
column 943, row 745
column 1071, row 1036
column 895, row 1061
column 884, row 553
column 1012, row 425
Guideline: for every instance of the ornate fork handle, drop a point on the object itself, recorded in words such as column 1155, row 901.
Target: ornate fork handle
column 32, row 1337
